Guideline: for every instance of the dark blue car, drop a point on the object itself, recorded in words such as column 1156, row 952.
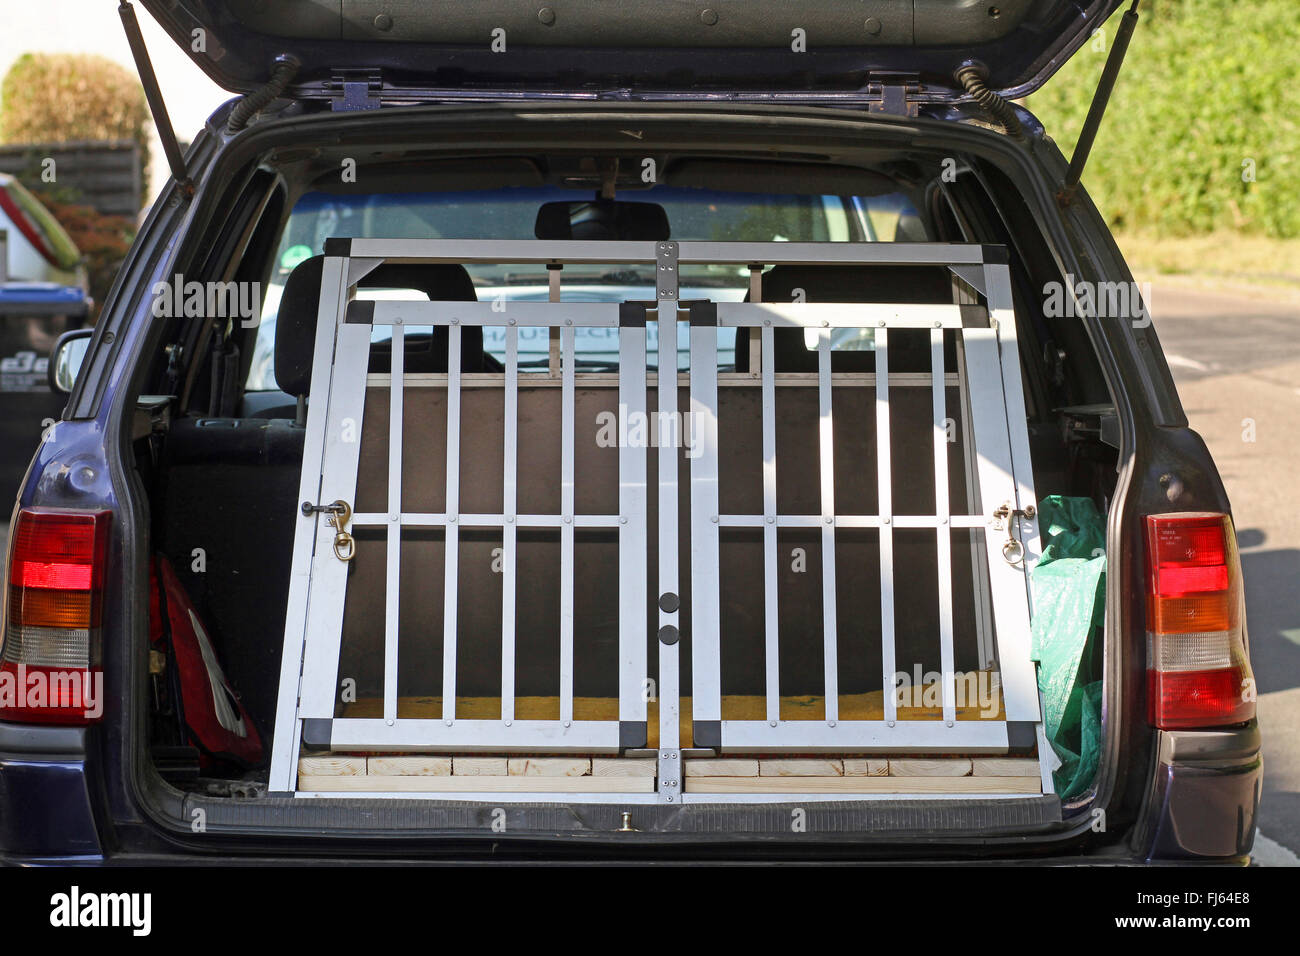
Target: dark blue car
column 368, row 531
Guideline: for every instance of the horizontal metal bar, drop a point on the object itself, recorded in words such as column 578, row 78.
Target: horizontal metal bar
column 838, row 315
column 850, row 521
column 633, row 799
column 537, row 378
column 589, row 315
column 806, row 736
column 408, row 519
column 813, row 253
column 474, row 736
column 550, row 251
column 692, row 251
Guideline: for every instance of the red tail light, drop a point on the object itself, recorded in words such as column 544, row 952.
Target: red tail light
column 1198, row 669
column 50, row 650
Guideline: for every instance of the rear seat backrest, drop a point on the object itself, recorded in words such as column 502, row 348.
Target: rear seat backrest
column 295, row 327
column 911, row 284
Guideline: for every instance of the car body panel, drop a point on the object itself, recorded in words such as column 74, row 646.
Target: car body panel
column 634, row 44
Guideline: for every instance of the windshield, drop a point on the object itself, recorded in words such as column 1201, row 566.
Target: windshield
column 510, row 213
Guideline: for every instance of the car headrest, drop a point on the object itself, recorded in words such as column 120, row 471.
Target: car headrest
column 912, row 284
column 295, row 326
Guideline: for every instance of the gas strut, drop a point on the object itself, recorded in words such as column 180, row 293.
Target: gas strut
column 157, row 107
column 1098, row 108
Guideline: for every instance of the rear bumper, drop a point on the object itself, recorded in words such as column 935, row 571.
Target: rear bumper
column 1201, row 803
column 1203, row 797
column 47, row 803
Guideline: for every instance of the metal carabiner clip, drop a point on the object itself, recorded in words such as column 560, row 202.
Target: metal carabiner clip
column 345, row 546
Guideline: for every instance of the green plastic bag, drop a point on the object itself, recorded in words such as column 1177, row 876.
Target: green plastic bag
column 1069, row 586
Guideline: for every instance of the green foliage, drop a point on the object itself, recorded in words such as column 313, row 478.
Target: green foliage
column 1208, row 89
column 65, row 97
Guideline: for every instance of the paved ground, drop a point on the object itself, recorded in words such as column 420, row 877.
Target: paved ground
column 1236, row 359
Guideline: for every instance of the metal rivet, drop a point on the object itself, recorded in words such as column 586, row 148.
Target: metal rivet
column 715, row 519
column 872, row 26
column 568, row 321
column 767, row 322
column 546, row 15
column 392, row 517
column 567, row 724
column 451, row 518
column 622, row 519
column 943, row 521
column 884, row 521
column 771, row 723
column 830, row 723
column 383, row 22
column 447, row 722
column 830, row 519
column 825, row 323
column 938, row 325
column 771, row 519
column 568, row 519
column 389, row 722
column 881, row 323
column 512, row 322
column 708, row 17
column 890, row 723
column 455, row 321
column 509, row 722
column 949, row 723
column 397, row 321
column 510, row 519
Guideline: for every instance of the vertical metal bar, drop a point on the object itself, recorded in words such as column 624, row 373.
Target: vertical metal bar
column 1002, row 312
column 633, row 587
column 755, row 295
column 566, row 526
column 885, row 497
column 509, row 554
column 706, row 673
column 771, row 646
column 997, row 487
column 943, row 531
column 451, row 560
column 827, row 450
column 338, row 481
column 284, row 752
column 670, row 764
column 979, row 559
column 392, row 590
column 553, row 336
column 1019, row 680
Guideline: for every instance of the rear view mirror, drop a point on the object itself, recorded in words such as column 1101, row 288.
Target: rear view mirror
column 65, row 361
column 602, row 220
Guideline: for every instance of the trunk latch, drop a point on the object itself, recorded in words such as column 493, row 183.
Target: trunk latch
column 1012, row 550
column 337, row 515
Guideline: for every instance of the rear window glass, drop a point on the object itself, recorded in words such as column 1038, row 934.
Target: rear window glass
column 698, row 214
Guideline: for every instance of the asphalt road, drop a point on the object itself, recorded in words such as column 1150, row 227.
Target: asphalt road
column 1236, row 359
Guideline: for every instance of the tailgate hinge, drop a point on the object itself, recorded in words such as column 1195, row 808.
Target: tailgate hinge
column 355, row 90
column 896, row 96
